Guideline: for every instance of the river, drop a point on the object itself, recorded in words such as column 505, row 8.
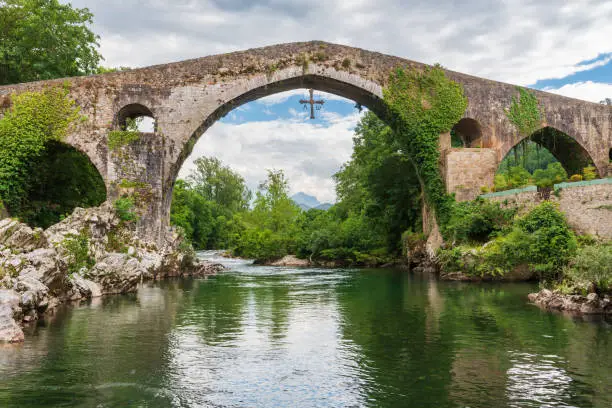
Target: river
column 259, row 336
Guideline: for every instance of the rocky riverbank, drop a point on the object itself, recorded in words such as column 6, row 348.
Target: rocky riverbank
column 89, row 254
column 589, row 304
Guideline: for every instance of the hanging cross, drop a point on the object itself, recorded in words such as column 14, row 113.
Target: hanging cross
column 312, row 103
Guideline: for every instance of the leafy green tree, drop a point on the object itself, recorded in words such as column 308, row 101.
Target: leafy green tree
column 219, row 183
column 269, row 230
column 44, row 39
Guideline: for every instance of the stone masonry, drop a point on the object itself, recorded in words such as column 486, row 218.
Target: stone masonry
column 588, row 209
column 186, row 98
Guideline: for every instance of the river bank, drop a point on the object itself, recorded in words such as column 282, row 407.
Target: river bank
column 89, row 254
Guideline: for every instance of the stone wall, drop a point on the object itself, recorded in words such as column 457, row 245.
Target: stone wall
column 466, row 171
column 588, row 209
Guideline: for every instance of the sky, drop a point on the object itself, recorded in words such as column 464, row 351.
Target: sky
column 562, row 47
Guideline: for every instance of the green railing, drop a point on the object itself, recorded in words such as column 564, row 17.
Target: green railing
column 510, row 192
column 570, row 184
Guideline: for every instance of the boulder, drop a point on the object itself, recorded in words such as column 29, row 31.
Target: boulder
column 83, row 288
column 117, row 273
column 291, row 261
column 20, row 237
column 10, row 332
column 45, row 265
column 34, row 294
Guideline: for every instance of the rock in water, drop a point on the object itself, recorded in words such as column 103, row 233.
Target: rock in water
column 10, row 332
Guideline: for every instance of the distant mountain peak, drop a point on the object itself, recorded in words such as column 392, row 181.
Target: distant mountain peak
column 306, row 202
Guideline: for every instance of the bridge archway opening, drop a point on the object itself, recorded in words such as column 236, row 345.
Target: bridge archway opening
column 64, row 178
column 136, row 116
column 303, row 157
column 547, row 156
column 466, row 133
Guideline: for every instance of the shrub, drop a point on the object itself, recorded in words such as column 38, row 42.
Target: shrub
column 589, row 173
column 77, row 250
column 124, row 207
column 576, row 177
column 554, row 173
column 477, row 221
column 592, row 268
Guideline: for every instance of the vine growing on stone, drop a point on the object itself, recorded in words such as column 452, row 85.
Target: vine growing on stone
column 423, row 105
column 525, row 112
column 34, row 119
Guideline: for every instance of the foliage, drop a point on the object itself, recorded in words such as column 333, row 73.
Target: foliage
column 541, row 240
column 120, row 138
column 77, row 249
column 423, row 105
column 380, row 183
column 589, row 173
column 477, row 221
column 525, row 112
column 218, row 183
column 34, row 120
column 592, row 268
column 518, row 177
column 576, row 177
column 553, row 174
column 64, row 179
column 269, row 229
column 528, row 155
column 44, row 39
column 206, row 206
column 124, row 207
column 606, row 101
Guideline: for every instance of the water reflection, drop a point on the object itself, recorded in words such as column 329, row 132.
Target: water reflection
column 258, row 336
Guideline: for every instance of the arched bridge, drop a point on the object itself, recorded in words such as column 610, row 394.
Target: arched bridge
column 185, row 98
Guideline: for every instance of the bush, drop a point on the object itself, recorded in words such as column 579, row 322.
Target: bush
column 477, row 221
column 576, row 177
column 124, row 207
column 554, row 173
column 589, row 173
column 542, row 240
column 77, row 249
column 592, row 268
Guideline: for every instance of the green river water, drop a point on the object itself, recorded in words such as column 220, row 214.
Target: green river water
column 280, row 337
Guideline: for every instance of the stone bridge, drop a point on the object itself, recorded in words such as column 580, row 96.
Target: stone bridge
column 186, row 98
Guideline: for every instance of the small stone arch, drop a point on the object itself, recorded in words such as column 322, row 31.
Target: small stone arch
column 469, row 131
column 135, row 111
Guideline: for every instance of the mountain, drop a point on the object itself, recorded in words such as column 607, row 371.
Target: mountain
column 306, row 202
column 324, row 206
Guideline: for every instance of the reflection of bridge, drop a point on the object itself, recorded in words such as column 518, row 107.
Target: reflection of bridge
column 186, row 98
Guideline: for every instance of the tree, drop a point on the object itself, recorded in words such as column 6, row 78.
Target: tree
column 219, row 183
column 607, row 101
column 43, row 39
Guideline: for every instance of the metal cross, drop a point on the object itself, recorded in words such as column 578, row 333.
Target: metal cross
column 312, row 103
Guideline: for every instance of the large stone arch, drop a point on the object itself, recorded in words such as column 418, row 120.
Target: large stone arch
column 364, row 92
column 572, row 155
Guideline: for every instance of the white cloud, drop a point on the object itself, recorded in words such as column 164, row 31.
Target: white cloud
column 588, row 90
column 518, row 41
column 281, row 97
column 308, row 153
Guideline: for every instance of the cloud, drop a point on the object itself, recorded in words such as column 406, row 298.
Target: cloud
column 519, row 41
column 308, row 153
column 281, row 97
column 588, row 91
